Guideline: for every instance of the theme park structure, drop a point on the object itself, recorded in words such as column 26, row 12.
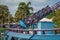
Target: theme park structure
column 31, row 22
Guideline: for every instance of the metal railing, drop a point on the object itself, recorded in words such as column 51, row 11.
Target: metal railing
column 27, row 31
column 33, row 30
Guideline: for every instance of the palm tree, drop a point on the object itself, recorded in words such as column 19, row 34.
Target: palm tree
column 25, row 7
column 23, row 10
column 4, row 13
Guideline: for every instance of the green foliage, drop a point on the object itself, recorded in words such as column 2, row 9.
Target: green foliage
column 23, row 11
column 3, row 29
column 51, row 15
column 56, row 17
column 4, row 14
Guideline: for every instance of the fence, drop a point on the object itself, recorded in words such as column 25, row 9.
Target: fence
column 18, row 34
column 55, row 30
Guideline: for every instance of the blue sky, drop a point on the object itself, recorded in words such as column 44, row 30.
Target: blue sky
column 36, row 4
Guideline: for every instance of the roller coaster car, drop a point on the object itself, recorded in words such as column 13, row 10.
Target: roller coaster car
column 14, row 26
column 46, row 10
column 28, row 20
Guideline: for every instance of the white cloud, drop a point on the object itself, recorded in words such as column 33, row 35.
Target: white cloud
column 38, row 4
column 38, row 1
column 36, row 8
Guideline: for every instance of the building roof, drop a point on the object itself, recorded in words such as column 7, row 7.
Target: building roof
column 46, row 20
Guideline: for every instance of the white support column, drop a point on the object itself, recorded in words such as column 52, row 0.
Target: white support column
column 39, row 28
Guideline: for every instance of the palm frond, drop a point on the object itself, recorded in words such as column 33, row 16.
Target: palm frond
column 31, row 8
column 29, row 3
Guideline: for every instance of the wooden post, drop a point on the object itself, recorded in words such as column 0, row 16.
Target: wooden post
column 55, row 31
column 43, row 32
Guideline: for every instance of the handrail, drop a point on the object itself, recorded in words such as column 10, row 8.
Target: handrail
column 34, row 29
